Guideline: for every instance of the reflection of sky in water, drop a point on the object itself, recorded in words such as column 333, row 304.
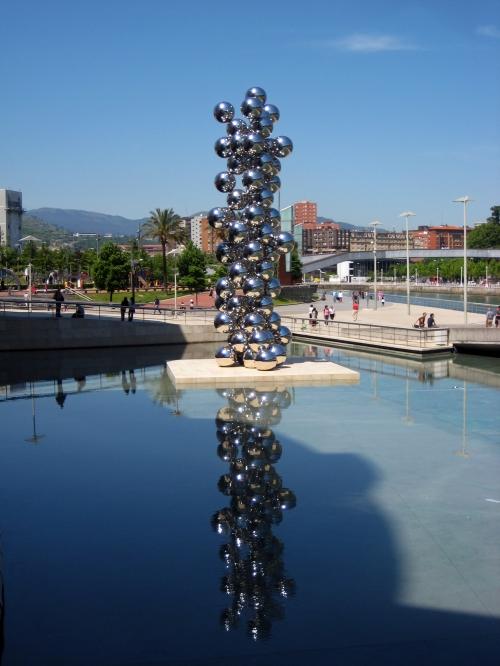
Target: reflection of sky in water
column 105, row 522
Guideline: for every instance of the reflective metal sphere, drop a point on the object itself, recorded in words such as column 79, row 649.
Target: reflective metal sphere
column 265, row 162
column 253, row 251
column 265, row 234
column 224, row 112
column 285, row 242
column 248, row 358
column 284, row 335
column 260, row 337
column 236, row 125
column 254, row 287
column 223, row 322
column 273, row 183
column 273, row 217
column 279, row 351
column 273, row 112
column 274, row 321
column 273, row 288
column 258, row 92
column 263, row 197
column 224, row 253
column 252, row 107
column 253, row 214
column 237, row 272
column 281, row 146
column 225, row 357
column 238, row 341
column 254, row 143
column 225, row 181
column 224, row 287
column 264, row 125
column 236, row 199
column 253, row 320
column 237, row 231
column 236, row 165
column 238, row 142
column 266, row 269
column 265, row 305
column 217, row 216
column 253, row 179
column 223, row 147
column 265, row 360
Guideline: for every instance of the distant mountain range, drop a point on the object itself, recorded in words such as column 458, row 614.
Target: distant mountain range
column 84, row 221
column 59, row 224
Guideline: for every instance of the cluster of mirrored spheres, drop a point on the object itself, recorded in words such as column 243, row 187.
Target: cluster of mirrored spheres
column 255, row 579
column 252, row 241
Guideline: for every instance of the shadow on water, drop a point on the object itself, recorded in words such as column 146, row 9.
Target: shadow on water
column 338, row 604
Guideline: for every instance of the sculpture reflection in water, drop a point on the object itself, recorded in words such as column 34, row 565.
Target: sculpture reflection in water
column 255, row 580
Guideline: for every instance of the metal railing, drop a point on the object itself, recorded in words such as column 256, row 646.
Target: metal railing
column 421, row 338
column 47, row 308
column 445, row 303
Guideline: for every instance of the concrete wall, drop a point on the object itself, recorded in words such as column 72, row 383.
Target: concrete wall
column 18, row 333
column 475, row 334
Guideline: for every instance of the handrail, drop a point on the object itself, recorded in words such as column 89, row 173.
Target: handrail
column 375, row 333
column 40, row 307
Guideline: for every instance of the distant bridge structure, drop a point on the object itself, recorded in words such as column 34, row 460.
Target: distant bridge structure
column 316, row 262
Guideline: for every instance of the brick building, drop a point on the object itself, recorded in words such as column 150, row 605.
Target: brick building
column 305, row 212
column 203, row 235
column 324, row 238
column 362, row 241
column 443, row 237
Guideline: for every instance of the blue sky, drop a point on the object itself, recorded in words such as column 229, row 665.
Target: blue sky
column 393, row 105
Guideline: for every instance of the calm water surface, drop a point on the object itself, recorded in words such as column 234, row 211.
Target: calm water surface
column 343, row 524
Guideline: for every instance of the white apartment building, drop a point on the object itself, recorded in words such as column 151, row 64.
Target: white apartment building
column 196, row 231
column 11, row 209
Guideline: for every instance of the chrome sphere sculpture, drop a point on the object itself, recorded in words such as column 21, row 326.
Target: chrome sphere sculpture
column 251, row 240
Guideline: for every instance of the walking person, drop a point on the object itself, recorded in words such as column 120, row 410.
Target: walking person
column 490, row 315
column 191, row 304
column 59, row 299
column 497, row 317
column 355, row 310
column 314, row 317
column 123, row 308
column 332, row 312
column 156, row 308
column 131, row 308
column 326, row 314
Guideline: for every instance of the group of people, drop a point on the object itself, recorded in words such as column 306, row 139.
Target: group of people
column 127, row 304
column 493, row 316
column 328, row 314
column 420, row 323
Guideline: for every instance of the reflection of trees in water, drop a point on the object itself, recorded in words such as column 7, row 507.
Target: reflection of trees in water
column 163, row 392
column 255, row 580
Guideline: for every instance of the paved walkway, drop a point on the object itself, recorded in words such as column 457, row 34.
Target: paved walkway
column 390, row 314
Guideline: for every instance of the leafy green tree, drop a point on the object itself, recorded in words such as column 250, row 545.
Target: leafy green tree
column 487, row 235
column 165, row 226
column 111, row 270
column 192, row 265
column 296, row 265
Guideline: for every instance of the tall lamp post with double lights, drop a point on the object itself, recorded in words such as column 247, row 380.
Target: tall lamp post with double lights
column 406, row 215
column 464, row 200
column 375, row 224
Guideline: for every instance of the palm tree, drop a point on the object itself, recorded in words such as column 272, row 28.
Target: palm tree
column 165, row 225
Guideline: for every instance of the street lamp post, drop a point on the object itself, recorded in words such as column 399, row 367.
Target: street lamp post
column 437, row 276
column 406, row 215
column 375, row 224
column 464, row 200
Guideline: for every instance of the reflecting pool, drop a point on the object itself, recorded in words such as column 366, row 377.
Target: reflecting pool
column 350, row 524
